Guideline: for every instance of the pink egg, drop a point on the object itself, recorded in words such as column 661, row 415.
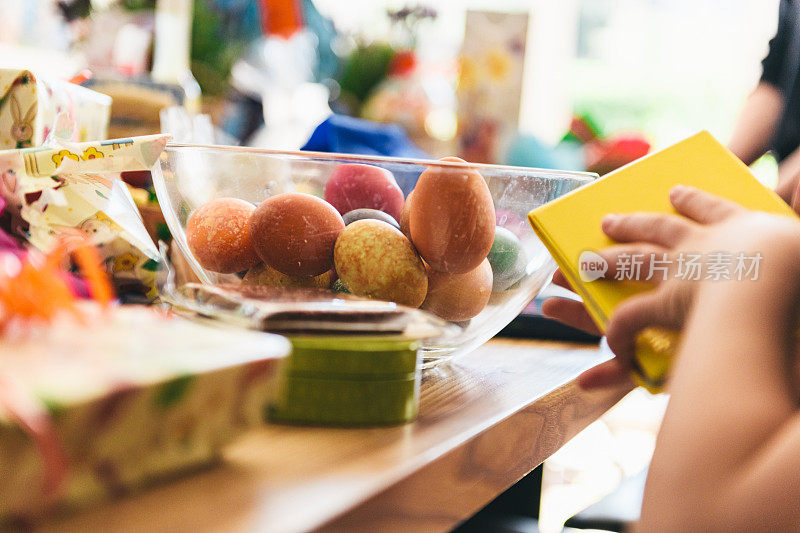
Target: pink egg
column 353, row 186
column 513, row 222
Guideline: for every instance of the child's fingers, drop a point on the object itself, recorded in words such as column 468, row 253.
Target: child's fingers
column 561, row 281
column 571, row 313
column 610, row 373
column 701, row 206
column 634, row 315
column 662, row 230
column 641, row 262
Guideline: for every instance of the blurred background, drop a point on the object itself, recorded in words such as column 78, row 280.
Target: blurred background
column 269, row 71
column 573, row 84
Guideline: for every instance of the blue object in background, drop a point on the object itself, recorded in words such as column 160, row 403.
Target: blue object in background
column 348, row 135
column 240, row 18
column 528, row 151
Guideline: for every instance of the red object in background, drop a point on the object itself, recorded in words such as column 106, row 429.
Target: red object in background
column 603, row 156
column 281, row 17
column 582, row 130
column 403, row 63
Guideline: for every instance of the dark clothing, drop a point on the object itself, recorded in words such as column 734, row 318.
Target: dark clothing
column 780, row 69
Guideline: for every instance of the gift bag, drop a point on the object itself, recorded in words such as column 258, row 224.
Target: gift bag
column 30, row 105
column 74, row 189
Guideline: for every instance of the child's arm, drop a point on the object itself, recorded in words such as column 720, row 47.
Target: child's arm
column 728, row 454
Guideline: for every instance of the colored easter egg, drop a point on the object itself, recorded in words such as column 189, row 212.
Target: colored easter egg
column 452, row 218
column 506, row 279
column 375, row 259
column 294, row 233
column 355, row 186
column 504, row 251
column 405, row 216
column 516, row 224
column 458, row 297
column 262, row 274
column 363, row 214
column 218, row 237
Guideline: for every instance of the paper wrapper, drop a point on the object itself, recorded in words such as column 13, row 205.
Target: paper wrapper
column 135, row 397
column 70, row 188
column 30, row 105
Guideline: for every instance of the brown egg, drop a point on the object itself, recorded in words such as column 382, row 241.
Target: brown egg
column 294, row 233
column 459, row 297
column 375, row 259
column 218, row 236
column 405, row 214
column 262, row 274
column 452, row 218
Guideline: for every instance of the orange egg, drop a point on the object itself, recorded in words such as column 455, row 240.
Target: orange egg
column 459, row 297
column 218, row 236
column 452, row 218
column 294, row 233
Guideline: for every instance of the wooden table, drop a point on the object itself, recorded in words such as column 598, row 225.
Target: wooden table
column 485, row 421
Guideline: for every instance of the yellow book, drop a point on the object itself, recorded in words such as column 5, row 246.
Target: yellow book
column 570, row 226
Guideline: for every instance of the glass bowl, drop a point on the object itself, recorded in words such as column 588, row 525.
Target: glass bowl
column 188, row 176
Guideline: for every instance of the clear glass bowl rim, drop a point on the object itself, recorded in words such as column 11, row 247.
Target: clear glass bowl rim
column 586, row 177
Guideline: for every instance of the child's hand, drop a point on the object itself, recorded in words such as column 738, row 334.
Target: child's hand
column 574, row 314
column 569, row 312
column 710, row 225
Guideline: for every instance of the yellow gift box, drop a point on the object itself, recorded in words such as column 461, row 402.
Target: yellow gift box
column 571, row 227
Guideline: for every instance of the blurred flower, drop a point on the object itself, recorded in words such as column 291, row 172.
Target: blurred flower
column 403, row 63
column 498, row 63
column 467, row 73
column 409, row 18
column 59, row 157
column 412, row 14
column 91, row 153
column 125, row 262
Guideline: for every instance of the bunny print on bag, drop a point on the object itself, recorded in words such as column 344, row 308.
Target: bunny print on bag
column 22, row 127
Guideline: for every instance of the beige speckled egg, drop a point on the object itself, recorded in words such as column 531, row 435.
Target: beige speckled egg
column 459, row 297
column 218, row 236
column 452, row 218
column 376, row 260
column 262, row 274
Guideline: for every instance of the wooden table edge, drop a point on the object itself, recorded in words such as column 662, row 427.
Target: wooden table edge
column 562, row 413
